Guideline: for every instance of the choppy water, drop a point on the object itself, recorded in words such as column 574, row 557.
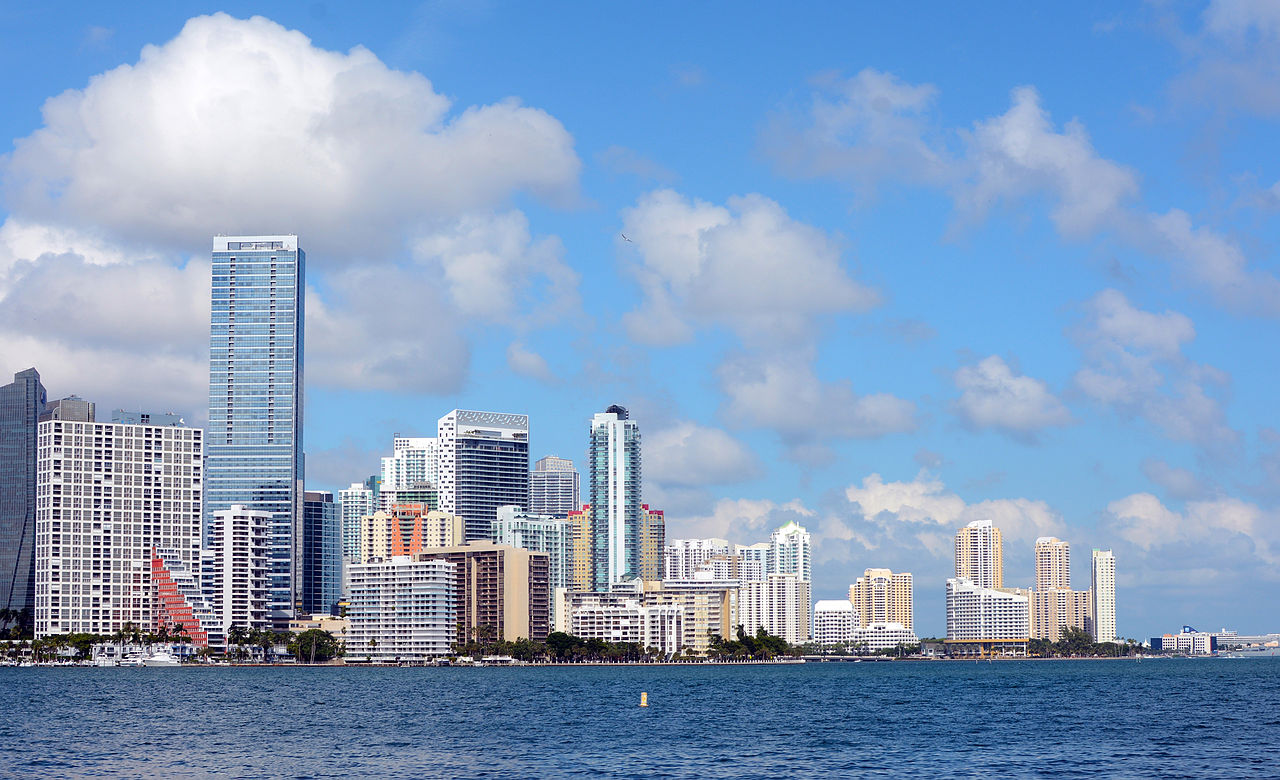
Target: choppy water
column 1166, row 718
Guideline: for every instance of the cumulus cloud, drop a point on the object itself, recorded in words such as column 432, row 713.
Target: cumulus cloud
column 1234, row 59
column 247, row 126
column 528, row 363
column 740, row 520
column 746, row 266
column 1144, row 521
column 993, row 396
column 692, row 455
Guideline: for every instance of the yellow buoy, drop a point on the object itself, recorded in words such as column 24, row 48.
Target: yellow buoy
column 644, row 699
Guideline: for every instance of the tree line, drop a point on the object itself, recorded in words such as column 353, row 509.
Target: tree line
column 1076, row 642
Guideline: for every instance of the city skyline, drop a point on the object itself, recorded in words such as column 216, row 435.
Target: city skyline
column 880, row 290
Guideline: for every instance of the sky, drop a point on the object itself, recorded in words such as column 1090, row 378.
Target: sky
column 881, row 271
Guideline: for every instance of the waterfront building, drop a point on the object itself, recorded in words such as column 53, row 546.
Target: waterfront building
column 539, row 533
column 357, row 501
column 321, row 570
column 789, row 551
column 1103, row 598
column 402, row 609
column 1053, row 563
column 658, row 626
column 985, row 621
column 1054, row 610
column 878, row 636
column 980, row 554
column 180, row 600
column 779, row 604
column 834, row 622
column 724, row 593
column 108, row 495
column 1189, row 641
column 484, row 464
column 236, row 568
column 614, row 480
column 21, row 403
column 653, row 538
column 255, row 396
column 499, row 590
column 73, row 408
column 682, row 557
column 580, row 525
column 554, row 487
column 883, row 596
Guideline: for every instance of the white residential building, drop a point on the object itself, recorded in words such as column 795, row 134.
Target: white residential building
column 753, row 560
column 401, row 610
column 789, row 551
column 357, row 501
column 884, row 636
column 682, row 557
column 779, row 604
column 614, row 479
column 539, row 533
column 834, row 622
column 236, row 574
column 1103, row 590
column 554, row 487
column 107, row 496
column 660, row 626
column 985, row 620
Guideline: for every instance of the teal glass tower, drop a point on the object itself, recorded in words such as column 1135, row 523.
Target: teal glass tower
column 254, row 442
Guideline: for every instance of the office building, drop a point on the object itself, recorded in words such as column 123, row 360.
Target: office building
column 21, row 403
column 321, row 569
column 539, row 533
column 683, row 557
column 980, row 554
column 653, row 538
column 359, row 500
column 1103, row 590
column 73, row 408
column 1053, row 563
column 833, row 623
column 236, row 568
column 614, row 483
column 883, row 596
column 484, row 464
column 108, row 495
column 255, row 397
column 985, row 621
column 554, row 487
column 779, row 604
column 401, row 610
column 789, row 551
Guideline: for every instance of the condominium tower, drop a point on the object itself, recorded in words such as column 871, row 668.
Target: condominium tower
column 882, row 596
column 789, row 551
column 321, row 539
column 553, row 487
column 21, row 403
column 614, row 466
column 980, row 554
column 484, row 464
column 357, row 501
column 1053, row 563
column 255, row 396
column 1103, row 588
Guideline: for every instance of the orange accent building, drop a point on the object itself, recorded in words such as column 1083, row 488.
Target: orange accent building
column 178, row 600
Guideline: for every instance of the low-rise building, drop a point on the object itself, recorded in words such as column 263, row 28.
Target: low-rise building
column 834, row 622
column 875, row 637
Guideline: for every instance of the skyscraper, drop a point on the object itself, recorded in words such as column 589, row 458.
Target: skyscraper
column 882, row 596
column 553, row 487
column 21, row 403
column 789, row 551
column 1053, row 563
column 614, row 463
column 980, row 554
column 321, row 569
column 255, row 396
column 653, row 537
column 484, row 464
column 1103, row 606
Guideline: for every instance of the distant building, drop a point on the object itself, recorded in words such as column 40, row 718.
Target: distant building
column 779, row 604
column 615, row 480
column 180, row 600
column 321, row 558
column 789, row 551
column 985, row 621
column 659, row 626
column 833, row 623
column 1055, row 610
column 539, row 533
column 235, row 568
column 878, row 636
column 580, row 525
column 401, row 610
column 484, row 464
column 21, row 403
column 753, row 560
column 411, row 475
column 73, row 408
column 143, row 418
column 406, row 530
column 554, row 487
column 980, row 554
column 1103, row 590
column 653, row 538
column 500, row 592
column 357, row 501
column 883, row 596
column 682, row 557
column 1190, row 641
column 1053, row 563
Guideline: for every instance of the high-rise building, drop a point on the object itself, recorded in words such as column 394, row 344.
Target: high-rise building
column 833, row 622
column 21, row 403
column 985, row 621
column 359, row 500
column 73, row 408
column 181, row 603
column 789, row 551
column 1103, row 590
column 614, row 467
column 754, row 560
column 401, row 609
column 108, row 496
column 682, row 557
column 255, row 396
column 980, row 554
column 553, row 487
column 580, row 525
column 321, row 568
column 653, row 538
column 412, row 470
column 883, row 596
column 484, row 464
column 1054, row 610
column 779, row 604
column 499, row 591
column 235, row 567
column 1053, row 563
column 539, row 533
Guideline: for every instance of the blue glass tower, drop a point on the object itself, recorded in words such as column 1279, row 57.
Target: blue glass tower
column 254, row 443
column 21, row 404
column 321, row 553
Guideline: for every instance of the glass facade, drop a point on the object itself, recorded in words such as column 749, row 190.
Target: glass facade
column 255, row 396
column 21, row 404
column 321, row 553
column 614, row 463
column 484, row 464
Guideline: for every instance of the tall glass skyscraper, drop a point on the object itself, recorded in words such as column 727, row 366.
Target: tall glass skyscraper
column 321, row 575
column 254, row 442
column 614, row 464
column 21, row 404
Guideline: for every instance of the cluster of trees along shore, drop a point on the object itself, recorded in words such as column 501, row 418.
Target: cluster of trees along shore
column 1076, row 642
column 567, row 648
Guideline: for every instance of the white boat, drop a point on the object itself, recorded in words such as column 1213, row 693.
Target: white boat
column 162, row 658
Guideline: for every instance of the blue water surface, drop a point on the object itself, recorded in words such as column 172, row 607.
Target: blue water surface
column 1120, row 718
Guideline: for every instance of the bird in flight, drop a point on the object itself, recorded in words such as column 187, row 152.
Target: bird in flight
column 624, row 238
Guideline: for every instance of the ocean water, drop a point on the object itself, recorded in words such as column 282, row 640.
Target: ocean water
column 1156, row 718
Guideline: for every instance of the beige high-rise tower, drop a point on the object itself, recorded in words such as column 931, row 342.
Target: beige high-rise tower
column 882, row 596
column 1053, row 563
column 980, row 554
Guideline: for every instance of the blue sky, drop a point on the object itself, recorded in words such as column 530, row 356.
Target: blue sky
column 888, row 271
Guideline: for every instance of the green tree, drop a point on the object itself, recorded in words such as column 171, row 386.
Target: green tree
column 314, row 646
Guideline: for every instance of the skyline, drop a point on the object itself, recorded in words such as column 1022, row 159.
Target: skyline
column 781, row 317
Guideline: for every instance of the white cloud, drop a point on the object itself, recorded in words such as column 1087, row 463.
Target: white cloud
column 528, row 363
column 1234, row 59
column 691, row 455
column 244, row 125
column 993, row 396
column 747, row 266
column 739, row 520
column 1178, row 483
column 1210, row 525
